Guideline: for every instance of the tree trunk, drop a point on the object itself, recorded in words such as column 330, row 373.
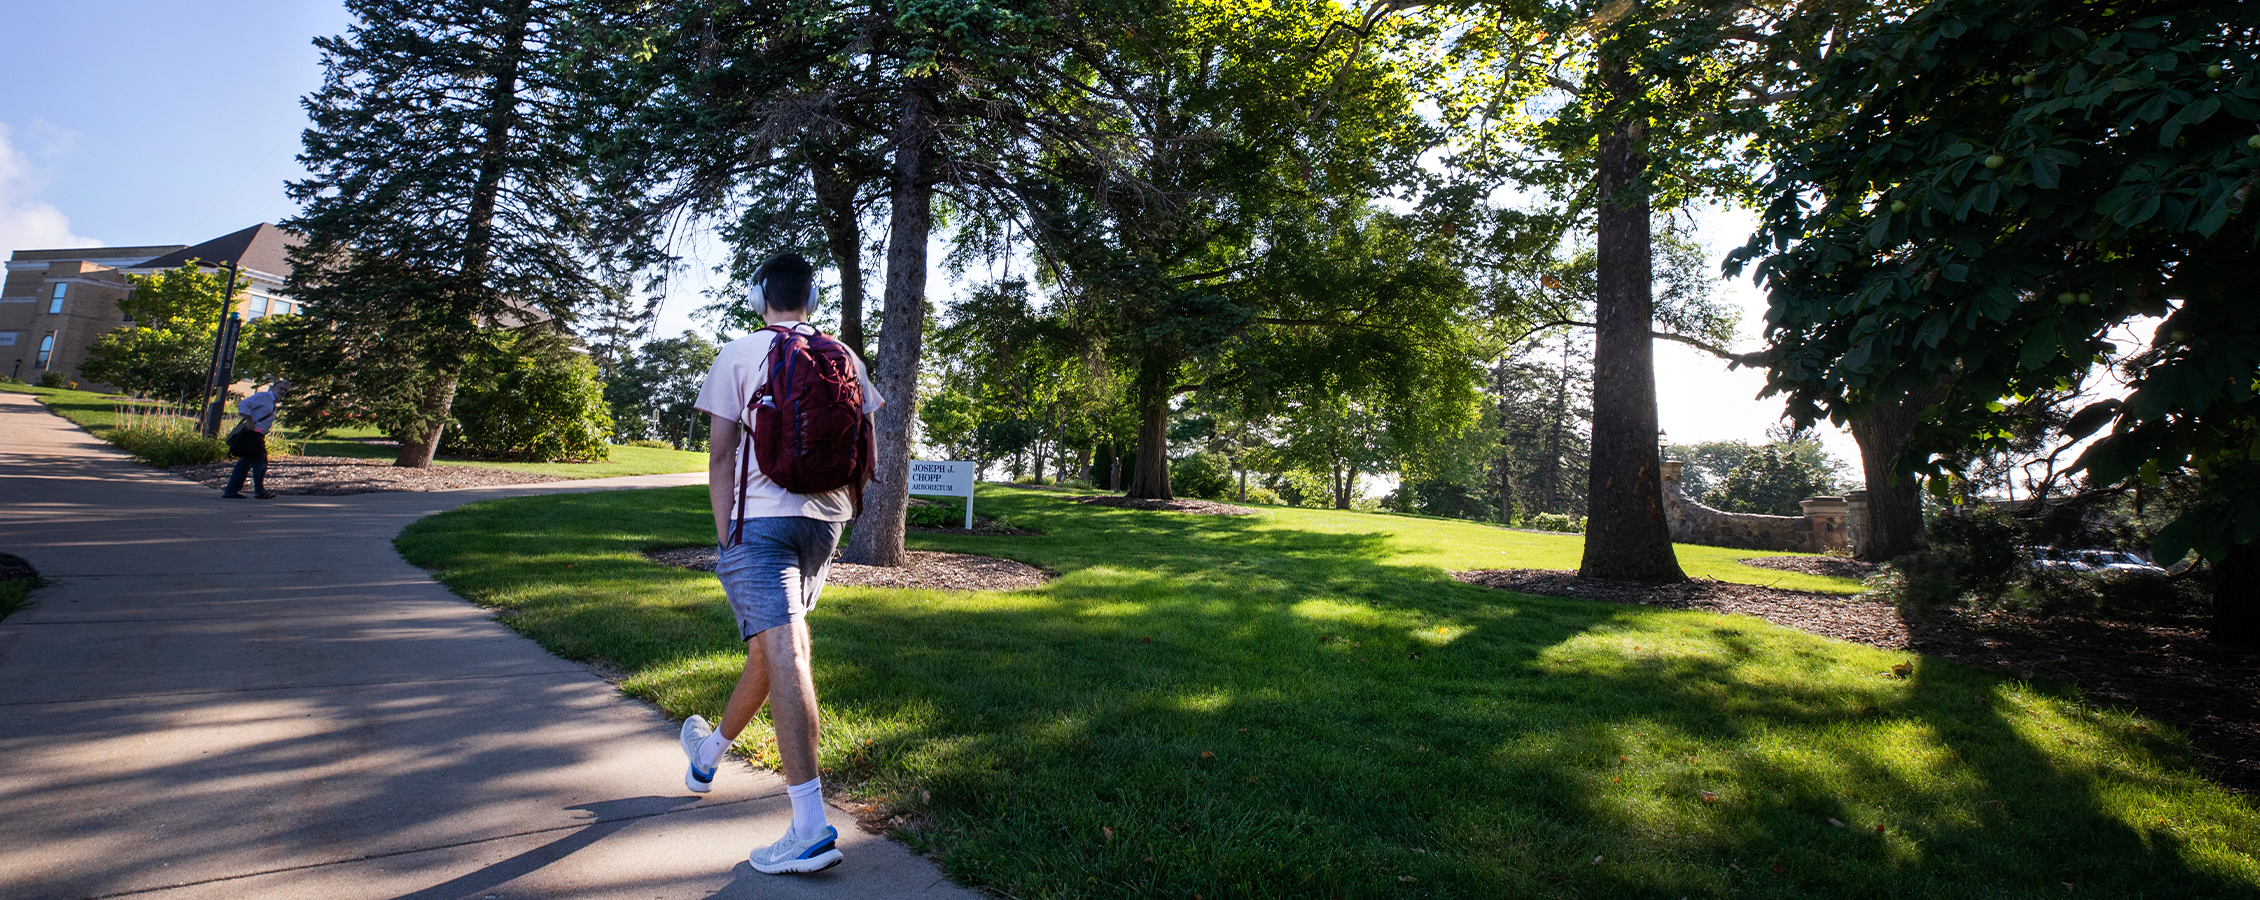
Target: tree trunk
column 1895, row 503
column 835, row 210
column 879, row 531
column 1625, row 534
column 439, row 396
column 1151, row 479
column 2236, row 596
column 1506, row 493
column 501, row 120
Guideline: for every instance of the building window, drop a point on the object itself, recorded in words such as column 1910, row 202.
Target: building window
column 57, row 305
column 46, row 350
column 257, row 306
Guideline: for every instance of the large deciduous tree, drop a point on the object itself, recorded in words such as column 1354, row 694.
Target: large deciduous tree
column 1976, row 196
column 1248, row 143
column 442, row 200
column 165, row 349
column 1639, row 106
column 949, row 93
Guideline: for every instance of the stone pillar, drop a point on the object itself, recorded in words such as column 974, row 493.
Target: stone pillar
column 1676, row 518
column 1827, row 515
column 1856, row 533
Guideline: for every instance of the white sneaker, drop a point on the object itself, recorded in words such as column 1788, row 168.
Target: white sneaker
column 791, row 853
column 695, row 731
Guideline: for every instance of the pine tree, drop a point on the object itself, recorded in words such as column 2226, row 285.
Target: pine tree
column 442, row 203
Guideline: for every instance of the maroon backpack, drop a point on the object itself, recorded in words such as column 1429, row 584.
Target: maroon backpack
column 810, row 435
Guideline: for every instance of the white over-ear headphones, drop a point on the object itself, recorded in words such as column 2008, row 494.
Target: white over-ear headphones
column 760, row 296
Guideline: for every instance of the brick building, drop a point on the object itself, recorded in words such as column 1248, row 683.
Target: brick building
column 55, row 303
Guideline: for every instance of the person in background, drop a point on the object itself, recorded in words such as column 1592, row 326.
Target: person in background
column 249, row 443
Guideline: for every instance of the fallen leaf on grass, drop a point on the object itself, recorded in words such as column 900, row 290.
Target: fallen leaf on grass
column 1207, row 755
column 1596, row 860
column 1407, row 879
column 1707, row 796
column 1902, row 670
column 1879, row 829
column 1109, row 831
column 1836, row 822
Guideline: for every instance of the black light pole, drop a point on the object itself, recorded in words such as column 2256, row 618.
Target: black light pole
column 223, row 373
column 223, row 344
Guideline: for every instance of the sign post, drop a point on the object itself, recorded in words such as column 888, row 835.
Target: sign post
column 944, row 478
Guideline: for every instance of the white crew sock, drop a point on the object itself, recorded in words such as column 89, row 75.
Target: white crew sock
column 808, row 808
column 711, row 749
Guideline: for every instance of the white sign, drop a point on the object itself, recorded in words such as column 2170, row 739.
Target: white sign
column 944, row 478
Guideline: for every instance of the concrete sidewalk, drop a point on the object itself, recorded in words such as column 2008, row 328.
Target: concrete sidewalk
column 261, row 699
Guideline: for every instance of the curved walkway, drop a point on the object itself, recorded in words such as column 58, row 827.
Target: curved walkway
column 261, row 699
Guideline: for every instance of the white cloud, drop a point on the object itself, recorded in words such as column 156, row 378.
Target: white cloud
column 27, row 223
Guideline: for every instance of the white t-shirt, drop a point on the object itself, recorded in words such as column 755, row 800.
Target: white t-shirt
column 740, row 370
column 261, row 408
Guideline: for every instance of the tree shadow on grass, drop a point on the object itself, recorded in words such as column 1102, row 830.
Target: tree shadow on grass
column 1223, row 706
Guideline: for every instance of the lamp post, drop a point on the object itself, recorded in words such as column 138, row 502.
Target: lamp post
column 223, row 372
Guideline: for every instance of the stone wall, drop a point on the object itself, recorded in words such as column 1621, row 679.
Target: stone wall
column 1823, row 527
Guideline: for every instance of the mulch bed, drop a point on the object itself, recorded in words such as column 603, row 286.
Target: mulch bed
column 923, row 569
column 335, row 475
column 1831, row 566
column 1194, row 507
column 1851, row 619
column 2167, row 671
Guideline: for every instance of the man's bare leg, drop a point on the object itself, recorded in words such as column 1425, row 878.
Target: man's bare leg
column 777, row 671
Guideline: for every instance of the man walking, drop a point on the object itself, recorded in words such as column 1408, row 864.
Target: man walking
column 250, row 445
column 777, row 546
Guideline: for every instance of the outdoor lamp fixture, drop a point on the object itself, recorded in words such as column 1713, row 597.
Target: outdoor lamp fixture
column 1661, row 443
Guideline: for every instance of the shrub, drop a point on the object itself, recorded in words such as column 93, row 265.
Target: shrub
column 649, row 442
column 2114, row 594
column 1207, row 475
column 942, row 512
column 1975, row 559
column 168, row 447
column 532, row 397
column 1259, row 494
column 15, row 595
column 1555, row 522
column 53, row 378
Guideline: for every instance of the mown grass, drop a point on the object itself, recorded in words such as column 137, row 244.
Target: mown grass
column 1302, row 704
column 15, row 595
column 97, row 415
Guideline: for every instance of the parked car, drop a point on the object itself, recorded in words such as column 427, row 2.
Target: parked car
column 2120, row 562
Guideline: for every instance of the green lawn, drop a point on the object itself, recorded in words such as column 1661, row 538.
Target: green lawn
column 1302, row 704
column 96, row 413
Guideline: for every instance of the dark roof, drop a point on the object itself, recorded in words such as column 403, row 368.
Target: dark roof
column 261, row 247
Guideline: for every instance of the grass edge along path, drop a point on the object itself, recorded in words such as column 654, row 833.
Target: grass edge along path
column 1301, row 703
column 93, row 413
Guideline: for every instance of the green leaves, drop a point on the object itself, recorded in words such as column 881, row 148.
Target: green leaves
column 2122, row 172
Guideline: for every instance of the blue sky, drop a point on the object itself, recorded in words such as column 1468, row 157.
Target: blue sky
column 141, row 122
column 151, row 122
